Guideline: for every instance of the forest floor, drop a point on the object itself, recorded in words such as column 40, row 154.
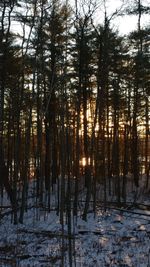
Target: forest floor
column 113, row 238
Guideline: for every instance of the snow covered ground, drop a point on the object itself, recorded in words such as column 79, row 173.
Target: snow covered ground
column 113, row 238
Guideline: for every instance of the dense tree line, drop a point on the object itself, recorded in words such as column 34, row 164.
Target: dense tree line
column 74, row 105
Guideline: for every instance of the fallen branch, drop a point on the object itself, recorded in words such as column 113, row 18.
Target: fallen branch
column 46, row 233
column 126, row 210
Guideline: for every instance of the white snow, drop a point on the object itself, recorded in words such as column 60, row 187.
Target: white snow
column 111, row 239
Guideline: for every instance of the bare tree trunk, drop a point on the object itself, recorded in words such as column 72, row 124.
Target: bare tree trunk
column 147, row 164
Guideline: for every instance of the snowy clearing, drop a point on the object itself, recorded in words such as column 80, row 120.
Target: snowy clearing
column 113, row 238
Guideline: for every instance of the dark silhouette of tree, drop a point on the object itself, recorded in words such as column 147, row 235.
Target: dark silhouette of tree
column 74, row 107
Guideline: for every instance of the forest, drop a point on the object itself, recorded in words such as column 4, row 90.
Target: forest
column 74, row 121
